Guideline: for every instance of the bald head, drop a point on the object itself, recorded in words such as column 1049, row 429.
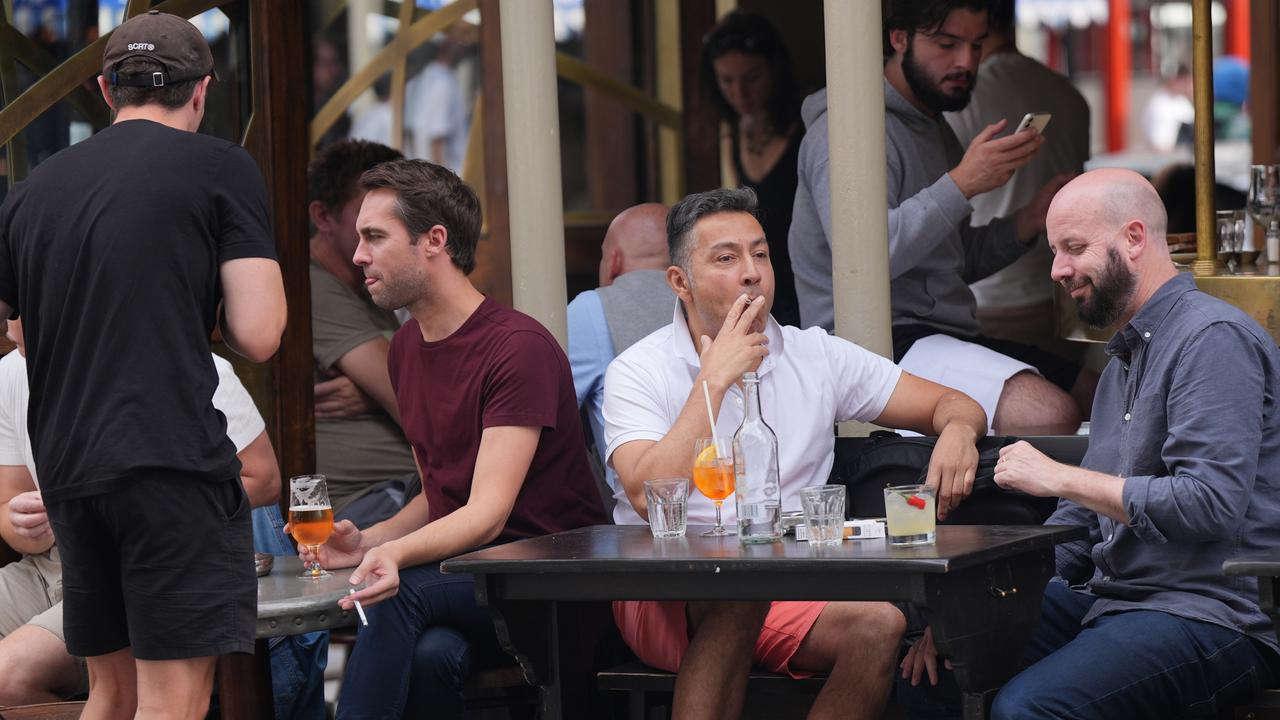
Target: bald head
column 1107, row 231
column 1107, row 200
column 636, row 240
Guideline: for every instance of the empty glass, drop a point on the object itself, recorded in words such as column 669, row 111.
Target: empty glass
column 824, row 508
column 1230, row 227
column 668, row 503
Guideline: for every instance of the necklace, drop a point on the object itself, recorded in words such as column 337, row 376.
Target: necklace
column 757, row 142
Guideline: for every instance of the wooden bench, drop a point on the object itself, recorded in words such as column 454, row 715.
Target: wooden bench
column 646, row 689
column 44, row 711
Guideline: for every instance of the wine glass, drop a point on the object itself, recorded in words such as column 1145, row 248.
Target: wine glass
column 713, row 475
column 310, row 519
column 1264, row 205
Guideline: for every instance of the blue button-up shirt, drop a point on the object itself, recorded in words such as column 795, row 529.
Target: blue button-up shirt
column 1186, row 413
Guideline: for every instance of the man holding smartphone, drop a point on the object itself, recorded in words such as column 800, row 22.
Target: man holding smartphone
column 931, row 58
column 1016, row 303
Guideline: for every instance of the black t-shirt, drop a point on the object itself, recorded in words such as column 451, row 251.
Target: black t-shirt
column 110, row 252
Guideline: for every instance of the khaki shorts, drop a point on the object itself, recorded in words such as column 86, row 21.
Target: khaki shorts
column 31, row 593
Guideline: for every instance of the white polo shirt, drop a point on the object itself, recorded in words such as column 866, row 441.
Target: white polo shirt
column 809, row 381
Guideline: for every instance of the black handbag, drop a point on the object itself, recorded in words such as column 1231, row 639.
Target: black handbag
column 865, row 466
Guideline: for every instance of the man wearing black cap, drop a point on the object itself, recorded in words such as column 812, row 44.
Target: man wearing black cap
column 121, row 254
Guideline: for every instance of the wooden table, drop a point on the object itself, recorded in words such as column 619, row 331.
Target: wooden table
column 287, row 605
column 978, row 587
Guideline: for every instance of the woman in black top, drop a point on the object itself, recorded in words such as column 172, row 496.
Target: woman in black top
column 747, row 71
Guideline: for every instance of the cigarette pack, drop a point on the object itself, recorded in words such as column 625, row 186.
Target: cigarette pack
column 853, row 530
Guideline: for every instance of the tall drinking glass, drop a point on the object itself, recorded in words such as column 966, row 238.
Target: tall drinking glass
column 1264, row 205
column 310, row 518
column 713, row 475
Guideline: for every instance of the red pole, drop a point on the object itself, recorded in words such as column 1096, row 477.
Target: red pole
column 1119, row 67
column 1237, row 30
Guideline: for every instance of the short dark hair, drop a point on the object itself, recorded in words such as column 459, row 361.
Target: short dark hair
column 686, row 213
column 428, row 195
column 334, row 173
column 922, row 16
column 171, row 96
column 749, row 32
column 1001, row 15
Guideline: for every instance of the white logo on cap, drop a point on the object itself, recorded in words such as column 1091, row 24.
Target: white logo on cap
column 142, row 46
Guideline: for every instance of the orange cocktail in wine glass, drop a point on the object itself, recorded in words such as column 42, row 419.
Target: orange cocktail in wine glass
column 713, row 475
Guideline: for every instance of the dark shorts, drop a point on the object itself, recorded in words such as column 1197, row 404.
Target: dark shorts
column 1055, row 369
column 162, row 566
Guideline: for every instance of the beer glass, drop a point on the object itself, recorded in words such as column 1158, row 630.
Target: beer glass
column 713, row 475
column 310, row 519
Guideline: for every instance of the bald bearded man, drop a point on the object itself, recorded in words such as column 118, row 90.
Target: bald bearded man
column 632, row 301
column 1182, row 473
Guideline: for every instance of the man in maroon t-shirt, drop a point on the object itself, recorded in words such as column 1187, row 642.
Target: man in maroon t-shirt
column 487, row 402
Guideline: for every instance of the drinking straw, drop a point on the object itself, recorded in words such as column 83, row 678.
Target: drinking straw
column 711, row 418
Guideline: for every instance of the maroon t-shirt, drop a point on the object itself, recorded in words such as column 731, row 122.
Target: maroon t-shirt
column 501, row 368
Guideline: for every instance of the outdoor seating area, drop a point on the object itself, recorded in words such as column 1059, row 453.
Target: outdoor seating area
column 639, row 359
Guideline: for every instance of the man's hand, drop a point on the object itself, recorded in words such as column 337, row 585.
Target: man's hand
column 1022, row 467
column 341, row 550
column 922, row 658
column 381, row 571
column 1029, row 220
column 737, row 348
column 952, row 467
column 339, row 397
column 28, row 516
column 989, row 163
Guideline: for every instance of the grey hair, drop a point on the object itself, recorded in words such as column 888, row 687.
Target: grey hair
column 686, row 213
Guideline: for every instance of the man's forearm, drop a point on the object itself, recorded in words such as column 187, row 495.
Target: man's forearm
column 672, row 456
column 959, row 412
column 412, row 517
column 1097, row 491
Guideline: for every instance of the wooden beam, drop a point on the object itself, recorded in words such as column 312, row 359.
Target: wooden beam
column 281, row 65
column 701, row 121
column 493, row 254
column 611, row 128
column 1264, row 82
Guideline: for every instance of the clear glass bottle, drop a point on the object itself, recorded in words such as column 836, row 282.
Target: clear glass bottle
column 759, row 494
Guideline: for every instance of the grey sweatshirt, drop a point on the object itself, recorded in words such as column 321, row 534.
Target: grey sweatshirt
column 933, row 252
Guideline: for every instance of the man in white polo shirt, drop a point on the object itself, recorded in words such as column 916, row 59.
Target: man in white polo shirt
column 654, row 410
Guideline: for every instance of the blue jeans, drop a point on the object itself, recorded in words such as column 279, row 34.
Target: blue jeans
column 1136, row 664
column 418, row 650
column 297, row 661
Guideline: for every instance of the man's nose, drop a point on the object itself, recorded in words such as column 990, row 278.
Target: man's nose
column 1060, row 270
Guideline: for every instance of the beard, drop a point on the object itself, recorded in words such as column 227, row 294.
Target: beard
column 400, row 292
column 930, row 92
column 1112, row 291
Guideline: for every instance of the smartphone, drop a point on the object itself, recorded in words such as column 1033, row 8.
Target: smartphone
column 1034, row 120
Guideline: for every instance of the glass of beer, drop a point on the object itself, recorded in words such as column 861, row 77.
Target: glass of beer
column 713, row 475
column 310, row 519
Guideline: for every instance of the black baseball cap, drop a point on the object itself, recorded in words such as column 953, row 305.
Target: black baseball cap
column 167, row 39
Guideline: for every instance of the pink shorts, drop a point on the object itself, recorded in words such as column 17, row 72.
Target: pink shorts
column 657, row 631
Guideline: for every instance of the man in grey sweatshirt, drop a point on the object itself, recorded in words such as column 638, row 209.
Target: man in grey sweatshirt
column 932, row 51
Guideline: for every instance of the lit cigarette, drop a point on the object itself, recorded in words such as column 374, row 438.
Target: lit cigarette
column 359, row 608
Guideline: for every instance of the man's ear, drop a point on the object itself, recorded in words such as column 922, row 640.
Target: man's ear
column 106, row 91
column 898, row 40
column 321, row 218
column 679, row 282
column 615, row 263
column 1135, row 238
column 200, row 94
column 433, row 241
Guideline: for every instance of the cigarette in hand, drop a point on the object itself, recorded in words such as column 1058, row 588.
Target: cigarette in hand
column 359, row 608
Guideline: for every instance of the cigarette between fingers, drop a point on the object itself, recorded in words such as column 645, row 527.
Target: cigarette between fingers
column 359, row 608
